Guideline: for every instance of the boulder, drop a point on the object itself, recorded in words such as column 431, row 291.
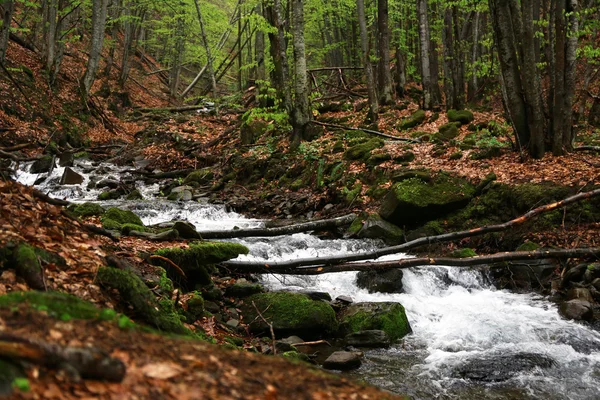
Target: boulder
column 242, row 288
column 463, row 116
column 66, row 159
column 368, row 338
column 71, row 177
column 199, row 177
column 579, row 310
column 501, row 367
column 362, row 151
column 413, row 202
column 134, row 195
column 417, row 118
column 289, row 314
column 531, row 274
column 108, row 183
column 375, row 227
column 186, row 230
column 574, row 274
column 315, row 295
column 183, row 193
column 388, row 316
column 447, row 132
column 592, row 272
column 580, row 294
column 343, row 360
column 44, row 164
column 389, row 281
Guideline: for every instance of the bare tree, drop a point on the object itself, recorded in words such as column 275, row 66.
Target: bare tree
column 424, row 40
column 366, row 56
column 384, row 74
column 6, row 11
column 99, row 9
column 301, row 112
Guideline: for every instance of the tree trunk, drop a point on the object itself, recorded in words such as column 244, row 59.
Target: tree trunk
column 259, row 56
column 51, row 28
column 400, row 72
column 278, row 50
column 115, row 12
column 211, row 71
column 559, row 78
column 424, row 41
column 99, row 8
column 449, row 57
column 384, row 75
column 301, row 112
column 366, row 58
column 128, row 35
column 572, row 10
column 6, row 11
column 473, row 86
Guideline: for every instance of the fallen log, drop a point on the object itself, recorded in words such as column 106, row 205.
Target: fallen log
column 405, row 263
column 83, row 362
column 281, row 230
column 162, row 175
column 349, row 128
column 445, row 237
column 173, row 109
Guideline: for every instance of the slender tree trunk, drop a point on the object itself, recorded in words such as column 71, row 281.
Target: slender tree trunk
column 448, row 39
column 559, row 78
column 99, row 8
column 177, row 53
column 115, row 11
column 51, row 33
column 128, row 36
column 572, row 9
column 301, row 112
column 400, row 72
column 211, row 70
column 424, row 41
column 279, row 54
column 259, row 54
column 366, row 56
column 473, row 86
column 6, row 11
column 384, row 75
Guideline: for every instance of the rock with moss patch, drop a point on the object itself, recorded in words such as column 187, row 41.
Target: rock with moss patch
column 134, row 195
column 447, row 132
column 363, row 151
column 387, row 316
column 463, row 253
column 457, row 155
column 186, row 230
column 199, row 177
column 405, row 157
column 343, row 360
column 417, row 118
column 413, row 201
column 290, row 314
column 375, row 227
column 127, row 228
column 296, row 356
column 377, row 159
column 195, row 307
column 42, row 165
column 242, row 288
column 462, row 116
column 371, row 338
column 114, row 218
column 112, row 194
column 27, row 264
column 528, row 246
column 87, row 209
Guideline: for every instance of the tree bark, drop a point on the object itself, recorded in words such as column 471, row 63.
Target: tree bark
column 99, row 9
column 400, row 72
column 424, row 41
column 301, row 112
column 279, row 54
column 366, row 59
column 211, row 70
column 6, row 11
column 559, row 79
column 572, row 10
column 384, row 75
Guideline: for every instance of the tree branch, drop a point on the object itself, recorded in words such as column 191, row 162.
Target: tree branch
column 348, row 128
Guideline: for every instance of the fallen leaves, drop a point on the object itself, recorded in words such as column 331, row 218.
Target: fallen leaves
column 162, row 370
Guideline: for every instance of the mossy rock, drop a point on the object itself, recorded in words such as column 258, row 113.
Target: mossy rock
column 462, row 116
column 377, row 159
column 110, row 195
column 424, row 136
column 414, row 201
column 356, row 225
column 387, row 316
column 457, row 155
column 417, row 118
column 405, row 157
column 375, row 227
column 196, row 259
column 160, row 314
column 86, row 209
column 56, row 304
column 127, row 228
column 423, row 175
column 487, row 153
column 363, row 151
column 12, row 376
column 447, row 132
column 199, row 177
column 134, row 195
column 27, row 264
column 296, row 356
column 337, row 147
column 463, row 253
column 195, row 307
column 290, row 314
column 114, row 218
column 243, row 288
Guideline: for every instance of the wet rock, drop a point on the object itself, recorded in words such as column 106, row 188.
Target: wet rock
column 108, row 183
column 596, row 284
column 387, row 316
column 574, row 274
column 498, row 368
column 66, row 159
column 580, row 294
column 39, row 180
column 533, row 274
column 380, row 281
column 343, row 360
column 112, row 194
column 134, row 195
column 287, row 343
column 186, row 230
column 71, row 177
column 369, row 338
column 375, row 227
column 344, row 300
column 169, row 235
column 44, row 164
column 233, row 323
column 592, row 272
column 314, row 295
column 211, row 307
column 183, row 193
column 579, row 310
column 242, row 288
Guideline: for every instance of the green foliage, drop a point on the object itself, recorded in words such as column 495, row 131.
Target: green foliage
column 87, row 209
column 463, row 253
column 363, row 150
column 114, row 219
column 22, row 384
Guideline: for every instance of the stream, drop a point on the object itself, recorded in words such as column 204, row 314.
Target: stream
column 469, row 341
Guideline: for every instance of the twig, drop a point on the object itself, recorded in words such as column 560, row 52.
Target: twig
column 171, row 263
column 385, row 135
column 311, row 343
column 268, row 323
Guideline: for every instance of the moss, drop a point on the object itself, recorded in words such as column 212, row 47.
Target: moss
column 457, row 155
column 296, row 356
column 234, row 340
column 388, row 317
column 337, row 147
column 377, row 159
column 10, row 372
column 357, row 224
column 28, row 266
column 443, row 190
column 528, row 246
column 463, row 253
column 134, row 195
column 350, row 195
column 424, row 136
column 417, row 118
column 195, row 306
column 56, row 304
column 200, row 177
column 111, row 224
column 447, row 132
column 297, row 184
column 122, row 216
column 363, row 150
column 462, row 116
column 160, row 314
column 405, row 157
column 109, row 195
column 487, row 153
column 290, row 313
column 87, row 209
column 127, row 228
column 164, row 283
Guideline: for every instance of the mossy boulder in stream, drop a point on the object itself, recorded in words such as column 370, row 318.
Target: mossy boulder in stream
column 375, row 227
column 414, row 201
column 290, row 314
column 388, row 317
column 114, row 219
column 197, row 259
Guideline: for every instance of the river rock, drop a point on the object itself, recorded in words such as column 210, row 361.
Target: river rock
column 44, row 164
column 343, row 360
column 579, row 310
column 375, row 227
column 580, row 294
column 289, row 314
column 315, row 295
column 501, row 367
column 528, row 275
column 108, row 183
column 380, row 281
column 369, row 338
column 242, row 288
column 413, row 202
column 186, row 230
column 66, row 159
column 344, row 299
column 387, row 316
column 574, row 274
column 71, row 177
column 181, row 193
column 592, row 272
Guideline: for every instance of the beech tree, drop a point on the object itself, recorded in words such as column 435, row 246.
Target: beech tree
column 424, row 41
column 99, row 10
column 301, row 113
column 366, row 59
column 384, row 75
column 6, row 11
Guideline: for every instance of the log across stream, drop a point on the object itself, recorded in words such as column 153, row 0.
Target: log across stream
column 469, row 340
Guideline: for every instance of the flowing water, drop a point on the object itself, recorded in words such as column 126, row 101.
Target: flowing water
column 469, row 341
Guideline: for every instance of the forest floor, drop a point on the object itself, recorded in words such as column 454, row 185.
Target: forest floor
column 160, row 367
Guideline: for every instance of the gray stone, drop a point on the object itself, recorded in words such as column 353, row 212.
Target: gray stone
column 369, row 338
column 243, row 288
column 389, row 281
column 344, row 299
column 315, row 295
column 579, row 310
column 580, row 294
column 501, row 367
column 181, row 189
column 387, row 316
column 376, row 228
column 592, row 272
column 109, row 183
column 71, row 177
column 575, row 274
column 596, row 283
column 211, row 307
column 44, row 164
column 234, row 323
column 343, row 360
column 66, row 159
column 233, row 313
column 186, row 230
column 531, row 274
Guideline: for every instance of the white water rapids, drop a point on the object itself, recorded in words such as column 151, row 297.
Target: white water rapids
column 456, row 315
